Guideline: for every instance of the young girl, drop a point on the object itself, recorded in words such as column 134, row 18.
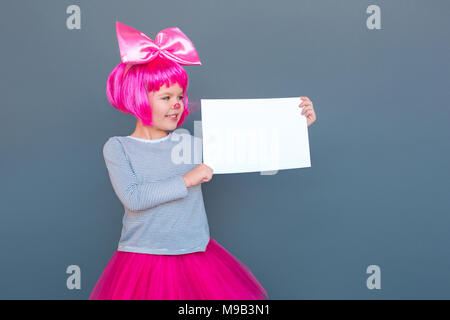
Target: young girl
column 165, row 250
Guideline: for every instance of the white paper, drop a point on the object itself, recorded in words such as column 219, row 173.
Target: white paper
column 249, row 135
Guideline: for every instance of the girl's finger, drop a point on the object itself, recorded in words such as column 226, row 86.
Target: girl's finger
column 306, row 108
column 311, row 115
column 305, row 104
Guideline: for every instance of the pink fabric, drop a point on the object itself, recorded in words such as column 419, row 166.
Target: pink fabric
column 211, row 275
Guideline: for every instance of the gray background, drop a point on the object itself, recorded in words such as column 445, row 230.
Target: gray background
column 377, row 191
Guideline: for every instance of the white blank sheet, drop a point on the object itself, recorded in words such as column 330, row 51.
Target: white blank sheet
column 249, row 135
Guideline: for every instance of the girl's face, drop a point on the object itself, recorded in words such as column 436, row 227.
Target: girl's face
column 164, row 102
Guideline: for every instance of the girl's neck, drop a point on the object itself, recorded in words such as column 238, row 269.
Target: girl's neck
column 148, row 133
column 151, row 140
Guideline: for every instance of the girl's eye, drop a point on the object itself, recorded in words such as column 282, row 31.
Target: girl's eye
column 180, row 97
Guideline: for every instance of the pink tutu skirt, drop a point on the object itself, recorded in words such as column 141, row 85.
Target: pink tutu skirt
column 214, row 274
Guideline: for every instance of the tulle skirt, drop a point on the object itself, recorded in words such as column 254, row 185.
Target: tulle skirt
column 214, row 274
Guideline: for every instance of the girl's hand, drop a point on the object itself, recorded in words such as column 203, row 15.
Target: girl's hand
column 201, row 173
column 308, row 110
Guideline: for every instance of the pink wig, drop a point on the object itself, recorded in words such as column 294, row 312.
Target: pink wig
column 128, row 86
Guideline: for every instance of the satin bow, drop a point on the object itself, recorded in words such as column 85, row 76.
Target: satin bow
column 171, row 43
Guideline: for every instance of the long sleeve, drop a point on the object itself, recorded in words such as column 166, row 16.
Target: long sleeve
column 133, row 195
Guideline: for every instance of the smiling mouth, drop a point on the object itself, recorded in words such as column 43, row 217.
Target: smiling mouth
column 172, row 117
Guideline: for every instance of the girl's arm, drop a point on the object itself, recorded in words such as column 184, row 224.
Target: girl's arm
column 133, row 195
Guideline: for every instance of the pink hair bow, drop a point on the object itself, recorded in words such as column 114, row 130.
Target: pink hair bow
column 171, row 43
